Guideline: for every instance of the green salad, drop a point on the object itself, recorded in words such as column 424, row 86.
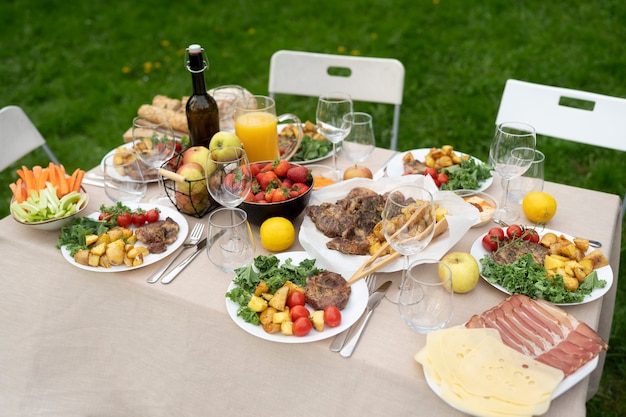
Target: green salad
column 466, row 176
column 311, row 149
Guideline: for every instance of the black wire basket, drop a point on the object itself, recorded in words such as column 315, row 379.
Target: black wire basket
column 188, row 196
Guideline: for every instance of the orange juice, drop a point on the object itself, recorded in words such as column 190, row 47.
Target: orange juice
column 258, row 132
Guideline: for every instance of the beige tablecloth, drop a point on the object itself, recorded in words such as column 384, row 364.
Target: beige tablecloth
column 80, row 343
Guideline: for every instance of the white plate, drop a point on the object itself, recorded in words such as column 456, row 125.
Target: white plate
column 281, row 126
column 605, row 273
column 349, row 315
column 462, row 217
column 395, row 166
column 129, row 146
column 565, row 385
column 149, row 259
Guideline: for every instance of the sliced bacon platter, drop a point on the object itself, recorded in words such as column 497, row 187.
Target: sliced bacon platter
column 543, row 331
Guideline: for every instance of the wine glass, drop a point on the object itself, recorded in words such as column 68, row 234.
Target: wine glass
column 154, row 143
column 408, row 225
column 228, row 176
column 511, row 154
column 123, row 178
column 331, row 107
column 232, row 244
column 360, row 142
column 426, row 297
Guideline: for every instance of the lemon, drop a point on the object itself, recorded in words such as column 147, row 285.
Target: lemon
column 539, row 206
column 277, row 234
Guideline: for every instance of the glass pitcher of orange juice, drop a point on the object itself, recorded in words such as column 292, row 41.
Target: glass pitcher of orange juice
column 256, row 125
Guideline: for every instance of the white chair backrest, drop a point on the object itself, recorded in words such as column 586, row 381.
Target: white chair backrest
column 376, row 80
column 549, row 110
column 18, row 136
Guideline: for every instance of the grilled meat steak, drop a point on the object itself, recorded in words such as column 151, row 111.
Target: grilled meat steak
column 508, row 254
column 158, row 235
column 327, row 289
column 349, row 221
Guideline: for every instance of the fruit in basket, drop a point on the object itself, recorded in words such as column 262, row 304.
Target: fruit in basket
column 357, row 171
column 277, row 234
column 465, row 271
column 221, row 141
column 197, row 154
column 194, row 174
column 192, row 204
column 539, row 206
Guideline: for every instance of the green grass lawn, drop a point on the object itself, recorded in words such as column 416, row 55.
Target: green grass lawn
column 81, row 70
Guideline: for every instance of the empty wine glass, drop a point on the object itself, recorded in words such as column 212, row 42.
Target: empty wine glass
column 408, row 225
column 232, row 241
column 123, row 178
column 426, row 298
column 331, row 108
column 228, row 176
column 360, row 142
column 154, row 143
column 511, row 154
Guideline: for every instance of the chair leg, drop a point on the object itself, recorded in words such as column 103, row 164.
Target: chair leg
column 51, row 156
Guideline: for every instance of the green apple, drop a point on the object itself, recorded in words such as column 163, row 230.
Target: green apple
column 465, row 271
column 197, row 154
column 223, row 146
column 192, row 171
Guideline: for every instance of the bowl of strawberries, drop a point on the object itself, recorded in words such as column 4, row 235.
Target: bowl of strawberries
column 279, row 189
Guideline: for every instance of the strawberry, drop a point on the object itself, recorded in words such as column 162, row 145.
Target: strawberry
column 267, row 179
column 280, row 194
column 281, row 166
column 300, row 188
column 299, row 174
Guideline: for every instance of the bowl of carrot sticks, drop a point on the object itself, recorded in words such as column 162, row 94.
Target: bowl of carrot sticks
column 47, row 198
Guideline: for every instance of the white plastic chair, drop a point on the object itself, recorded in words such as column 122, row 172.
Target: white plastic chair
column 376, row 80
column 562, row 113
column 18, row 137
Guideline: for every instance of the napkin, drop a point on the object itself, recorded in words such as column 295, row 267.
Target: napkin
column 462, row 216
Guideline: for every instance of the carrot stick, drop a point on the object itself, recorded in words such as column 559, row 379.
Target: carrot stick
column 63, row 185
column 77, row 180
column 17, row 192
column 29, row 179
column 42, row 178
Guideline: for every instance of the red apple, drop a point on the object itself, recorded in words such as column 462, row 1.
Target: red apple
column 357, row 171
column 191, row 204
column 192, row 171
column 197, row 154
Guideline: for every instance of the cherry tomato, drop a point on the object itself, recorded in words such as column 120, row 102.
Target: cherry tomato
column 490, row 243
column 514, row 231
column 497, row 232
column 302, row 326
column 442, row 178
column 431, row 172
column 531, row 235
column 299, row 311
column 332, row 316
column 152, row 215
column 106, row 216
column 138, row 219
column 296, row 298
column 124, row 220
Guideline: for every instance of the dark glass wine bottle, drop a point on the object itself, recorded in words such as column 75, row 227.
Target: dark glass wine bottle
column 202, row 112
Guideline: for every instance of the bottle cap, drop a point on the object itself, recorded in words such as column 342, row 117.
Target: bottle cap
column 198, row 63
column 195, row 49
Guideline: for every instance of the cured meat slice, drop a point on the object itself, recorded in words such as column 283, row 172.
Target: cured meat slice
column 543, row 331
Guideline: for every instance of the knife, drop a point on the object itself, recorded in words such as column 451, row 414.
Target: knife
column 372, row 303
column 174, row 272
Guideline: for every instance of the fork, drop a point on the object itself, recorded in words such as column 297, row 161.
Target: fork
column 341, row 338
column 194, row 238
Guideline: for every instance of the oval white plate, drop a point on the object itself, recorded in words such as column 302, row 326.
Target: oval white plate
column 395, row 166
column 151, row 258
column 128, row 146
column 281, row 126
column 349, row 315
column 605, row 273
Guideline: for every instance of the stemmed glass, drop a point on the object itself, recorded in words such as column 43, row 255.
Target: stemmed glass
column 228, row 180
column 123, row 178
column 331, row 107
column 154, row 143
column 511, row 154
column 360, row 142
column 408, row 225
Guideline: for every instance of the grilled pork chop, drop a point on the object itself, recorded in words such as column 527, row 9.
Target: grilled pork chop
column 349, row 221
column 327, row 289
column 158, row 235
column 508, row 254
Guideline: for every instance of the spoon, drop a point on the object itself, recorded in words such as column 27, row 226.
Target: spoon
column 592, row 243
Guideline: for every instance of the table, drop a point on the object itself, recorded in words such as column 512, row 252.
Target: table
column 79, row 343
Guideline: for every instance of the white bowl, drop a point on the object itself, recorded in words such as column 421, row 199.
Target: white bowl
column 488, row 204
column 54, row 224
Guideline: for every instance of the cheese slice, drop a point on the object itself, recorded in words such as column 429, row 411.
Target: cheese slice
column 480, row 375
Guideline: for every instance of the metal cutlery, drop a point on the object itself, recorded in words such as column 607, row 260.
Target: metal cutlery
column 341, row 338
column 177, row 270
column 192, row 240
column 372, row 303
column 592, row 243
